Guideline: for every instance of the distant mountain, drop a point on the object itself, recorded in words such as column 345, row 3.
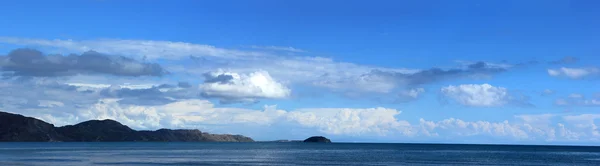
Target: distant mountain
column 18, row 128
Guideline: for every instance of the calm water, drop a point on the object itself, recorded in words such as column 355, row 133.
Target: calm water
column 64, row 154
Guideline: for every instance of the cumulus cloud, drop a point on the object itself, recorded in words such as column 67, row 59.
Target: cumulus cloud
column 573, row 73
column 578, row 127
column 453, row 128
column 484, row 95
column 196, row 113
column 234, row 87
column 525, row 128
column 351, row 121
column 29, row 62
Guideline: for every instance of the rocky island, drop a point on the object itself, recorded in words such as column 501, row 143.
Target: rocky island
column 319, row 139
column 18, row 128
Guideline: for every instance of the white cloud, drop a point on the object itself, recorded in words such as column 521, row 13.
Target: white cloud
column 576, row 96
column 133, row 116
column 357, row 122
column 477, row 95
column 547, row 92
column 347, row 78
column 541, row 127
column 458, row 128
column 141, row 49
column 278, row 48
column 95, row 87
column 231, row 87
column 351, row 121
column 359, row 83
column 413, row 93
column 317, row 71
column 536, row 119
column 50, row 104
column 577, row 100
column 407, row 95
column 578, row 127
column 574, row 73
column 197, row 113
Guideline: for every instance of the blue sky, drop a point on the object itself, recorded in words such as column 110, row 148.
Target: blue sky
column 380, row 71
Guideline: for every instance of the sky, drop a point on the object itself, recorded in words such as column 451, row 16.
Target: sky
column 426, row 71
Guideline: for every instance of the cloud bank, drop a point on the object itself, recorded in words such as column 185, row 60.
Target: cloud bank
column 30, row 62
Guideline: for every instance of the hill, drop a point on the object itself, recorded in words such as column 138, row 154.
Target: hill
column 18, row 128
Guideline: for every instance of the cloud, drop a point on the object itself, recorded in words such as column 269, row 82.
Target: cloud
column 565, row 60
column 42, row 95
column 369, row 83
column 51, row 96
column 576, row 96
column 339, row 77
column 547, row 92
column 197, row 113
column 351, row 121
column 385, row 81
column 578, row 100
column 578, row 127
column 154, row 95
column 536, row 119
column 484, row 95
column 573, row 73
column 453, row 128
column 138, row 49
column 410, row 94
column 29, row 62
column 234, row 87
column 278, row 48
column 474, row 70
column 525, row 128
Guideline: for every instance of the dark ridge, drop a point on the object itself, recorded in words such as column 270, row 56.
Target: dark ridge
column 14, row 127
column 18, row 128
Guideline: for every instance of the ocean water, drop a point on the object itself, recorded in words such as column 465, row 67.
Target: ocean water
column 147, row 154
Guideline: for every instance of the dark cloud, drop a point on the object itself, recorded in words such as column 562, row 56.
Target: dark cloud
column 184, row 85
column 221, row 78
column 565, row 60
column 528, row 63
column 28, row 95
column 437, row 74
column 156, row 95
column 30, row 62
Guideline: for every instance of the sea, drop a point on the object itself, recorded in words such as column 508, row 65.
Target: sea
column 295, row 153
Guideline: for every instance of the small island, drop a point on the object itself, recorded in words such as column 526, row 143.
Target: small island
column 318, row 139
